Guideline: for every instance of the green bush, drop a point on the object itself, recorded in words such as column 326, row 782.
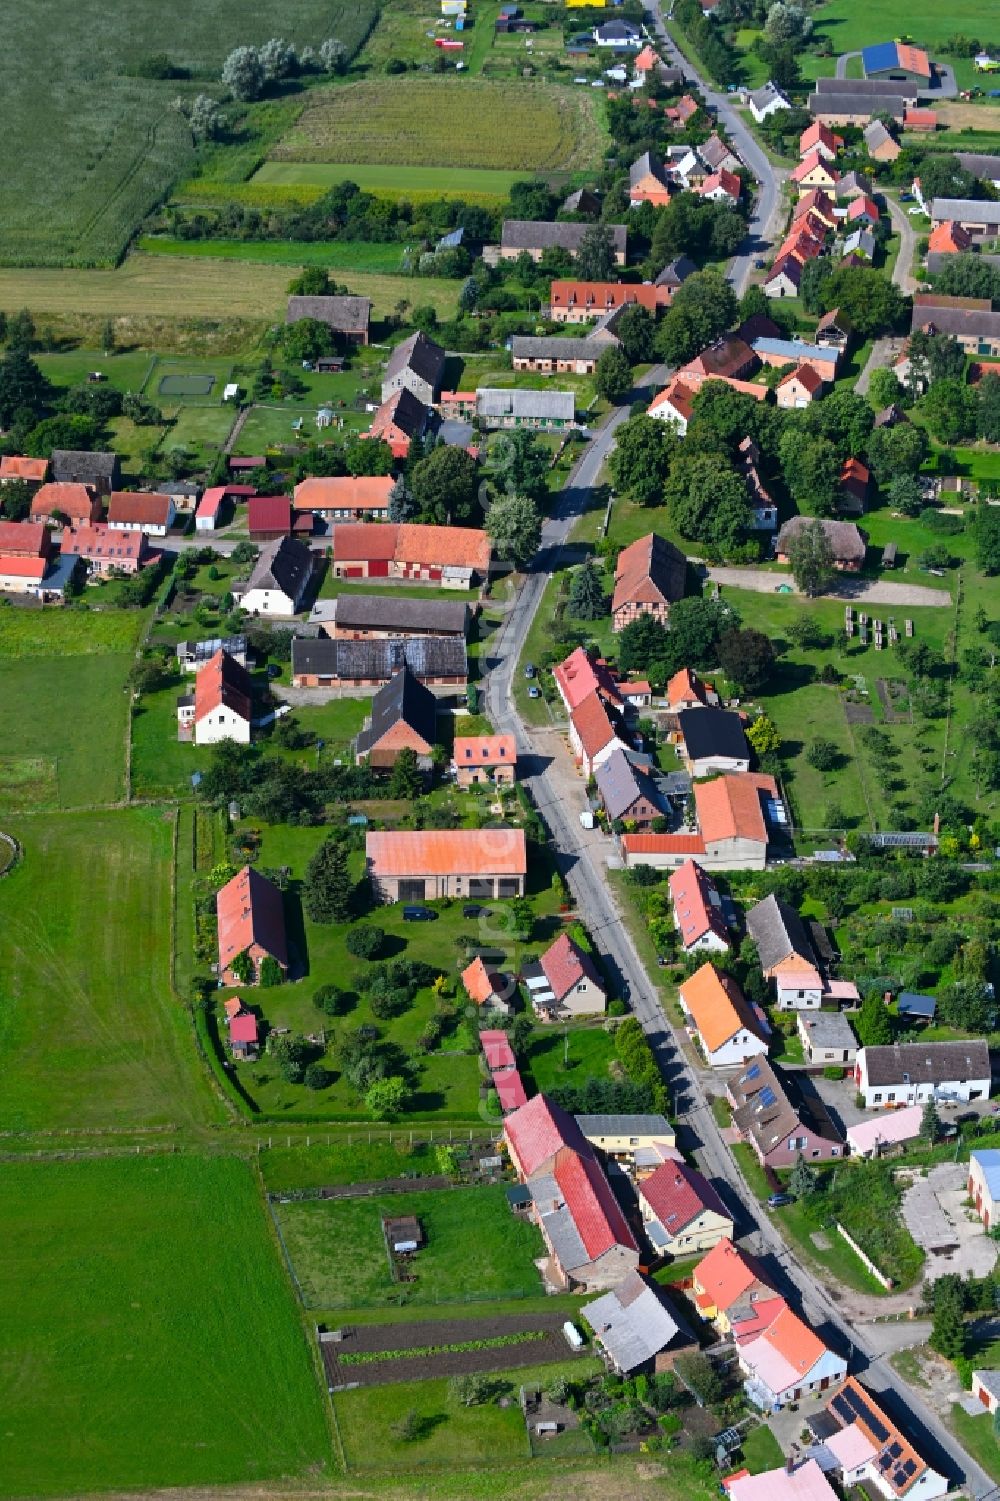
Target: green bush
column 366, row 942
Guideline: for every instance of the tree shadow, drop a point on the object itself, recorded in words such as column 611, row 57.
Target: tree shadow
column 295, row 934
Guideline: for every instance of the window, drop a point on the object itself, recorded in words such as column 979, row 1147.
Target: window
column 877, row 1099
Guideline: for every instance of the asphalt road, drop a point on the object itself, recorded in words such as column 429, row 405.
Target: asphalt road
column 763, row 224
column 582, row 856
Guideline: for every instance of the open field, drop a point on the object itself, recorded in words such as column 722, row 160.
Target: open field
column 67, row 633
column 99, row 146
column 454, row 1435
column 174, row 287
column 90, row 1034
column 846, row 25
column 420, row 121
column 73, row 716
column 414, row 183
column 475, row 1248
column 337, row 255
column 170, row 1301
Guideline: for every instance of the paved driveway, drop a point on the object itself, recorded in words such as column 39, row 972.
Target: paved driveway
column 873, row 591
column 950, row 1235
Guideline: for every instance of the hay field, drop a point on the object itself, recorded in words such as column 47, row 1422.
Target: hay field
column 462, row 123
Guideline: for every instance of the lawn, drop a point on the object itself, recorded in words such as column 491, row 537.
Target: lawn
column 71, row 715
column 451, row 1434
column 94, row 147
column 338, row 255
column 90, row 1033
column 417, row 184
column 560, row 1055
column 761, row 1450
column 357, row 1159
column 66, row 633
column 416, row 122
column 447, row 1080
column 145, row 1336
column 149, row 287
column 847, row 25
column 475, row 1248
column 977, row 1437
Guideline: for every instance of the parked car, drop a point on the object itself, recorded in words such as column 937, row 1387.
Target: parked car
column 419, row 914
column 534, row 693
column 778, row 1201
column 472, row 910
column 529, row 669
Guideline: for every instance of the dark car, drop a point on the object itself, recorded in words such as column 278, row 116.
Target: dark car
column 473, row 911
column 419, row 914
column 778, row 1201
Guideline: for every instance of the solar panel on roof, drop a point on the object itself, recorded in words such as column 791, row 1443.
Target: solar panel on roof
column 842, row 1408
column 909, row 1467
column 767, row 1095
column 895, row 1450
column 872, row 1422
column 752, row 1073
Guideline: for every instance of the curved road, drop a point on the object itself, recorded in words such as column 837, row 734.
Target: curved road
column 582, row 857
column 764, row 220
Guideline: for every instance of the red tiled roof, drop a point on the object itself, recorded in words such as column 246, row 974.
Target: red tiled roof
column 717, row 1006
column 445, row 852
column 913, row 59
column 696, row 913
column 919, row 119
column 818, row 134
column 663, row 844
column 497, row 1050
column 22, row 538
column 686, row 687
column 510, row 1089
column 602, row 296
column 564, row 965
column 99, row 541
column 211, row 501
column 364, row 541
column 726, row 1274
column 484, row 750
column 364, row 492
column 576, row 678
column 222, row 682
column 477, row 981
column 269, row 513
column 678, row 397
column 443, row 546
column 806, row 375
column 863, row 206
column 69, row 498
column 538, row 1131
column 16, row 466
column 728, row 807
column 593, row 725
column 250, row 911
column 22, row 568
column 949, row 238
column 139, row 509
column 727, row 181
column 794, row 1341
column 243, row 1028
column 677, row 1194
column 593, row 1207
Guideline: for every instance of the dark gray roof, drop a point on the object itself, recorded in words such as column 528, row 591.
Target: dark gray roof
column 402, row 698
column 965, row 321
column 676, row 271
column 876, row 135
column 619, row 31
column 543, row 234
column 980, row 165
column 768, row 1108
column 408, row 412
column 909, row 1003
column 778, row 931
column 845, row 539
column 74, row 466
column 425, row 656
column 419, row 354
column 621, row 784
column 283, row 564
column 928, row 1062
column 649, row 164
column 715, row 151
column 965, row 210
column 524, row 347
column 625, row 1125
column 868, row 87
column 386, row 611
column 583, row 201
column 670, row 76
column 851, row 185
column 712, row 732
column 509, row 401
column 346, row 315
column 852, row 104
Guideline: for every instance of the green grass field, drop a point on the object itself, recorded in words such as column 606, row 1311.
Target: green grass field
column 90, row 1034
column 93, row 147
column 415, row 183
column 71, row 713
column 451, row 1434
column 847, row 25
column 345, row 255
column 559, row 1055
column 475, row 1248
column 145, row 1297
column 418, row 122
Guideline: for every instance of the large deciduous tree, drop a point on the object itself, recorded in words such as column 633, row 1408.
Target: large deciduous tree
column 811, row 558
column 644, row 450
column 515, row 528
column 445, row 486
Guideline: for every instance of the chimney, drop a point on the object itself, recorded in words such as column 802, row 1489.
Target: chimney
column 937, row 824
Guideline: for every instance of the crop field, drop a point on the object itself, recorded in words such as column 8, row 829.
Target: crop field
column 149, row 287
column 101, row 146
column 146, row 1298
column 475, row 1248
column 421, row 122
column 417, row 184
column 90, row 1033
